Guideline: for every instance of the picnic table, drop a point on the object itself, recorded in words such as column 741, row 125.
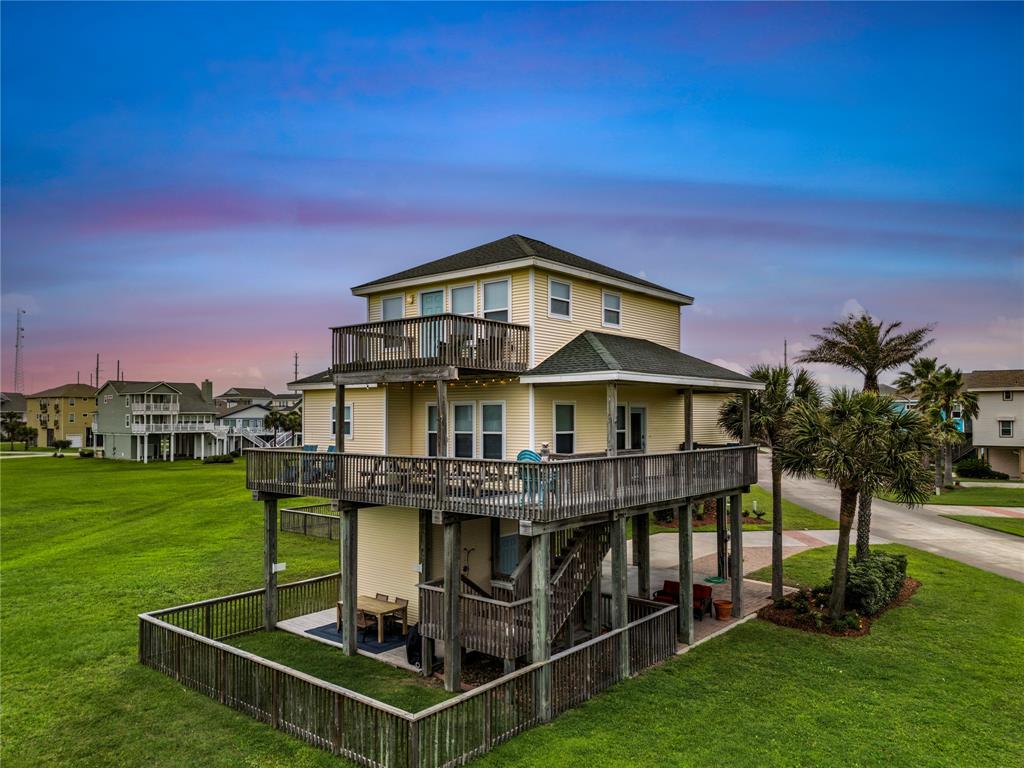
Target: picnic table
column 380, row 609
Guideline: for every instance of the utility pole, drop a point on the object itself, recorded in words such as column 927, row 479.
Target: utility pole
column 296, row 376
column 97, row 370
column 78, row 377
column 785, row 353
column 118, row 371
column 19, row 344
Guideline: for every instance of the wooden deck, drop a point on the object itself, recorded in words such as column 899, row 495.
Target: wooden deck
column 433, row 342
column 540, row 492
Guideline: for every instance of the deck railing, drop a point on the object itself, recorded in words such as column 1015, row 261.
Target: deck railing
column 179, row 644
column 430, row 341
column 316, row 520
column 543, row 492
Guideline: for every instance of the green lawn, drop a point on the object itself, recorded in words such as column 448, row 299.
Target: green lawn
column 936, row 683
column 358, row 673
column 20, row 448
column 87, row 545
column 981, row 497
column 1014, row 525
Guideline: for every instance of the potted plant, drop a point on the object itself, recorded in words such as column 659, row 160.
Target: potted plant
column 723, row 609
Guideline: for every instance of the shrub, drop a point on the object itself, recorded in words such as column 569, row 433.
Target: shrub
column 977, row 468
column 224, row 458
column 875, row 582
column 236, row 454
column 86, row 453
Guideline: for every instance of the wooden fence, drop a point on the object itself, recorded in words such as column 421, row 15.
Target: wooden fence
column 430, row 341
column 542, row 492
column 316, row 520
column 183, row 644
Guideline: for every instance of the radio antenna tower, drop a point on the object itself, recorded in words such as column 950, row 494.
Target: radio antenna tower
column 19, row 347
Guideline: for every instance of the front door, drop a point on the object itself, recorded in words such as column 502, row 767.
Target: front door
column 431, row 303
column 637, row 428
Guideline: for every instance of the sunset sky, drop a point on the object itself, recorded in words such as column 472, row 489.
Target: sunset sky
column 192, row 189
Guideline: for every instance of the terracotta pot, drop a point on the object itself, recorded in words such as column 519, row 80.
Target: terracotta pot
column 723, row 609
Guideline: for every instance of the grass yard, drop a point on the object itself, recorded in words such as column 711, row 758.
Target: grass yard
column 90, row 544
column 1012, row 525
column 981, row 497
column 936, row 683
column 358, row 673
column 8, row 447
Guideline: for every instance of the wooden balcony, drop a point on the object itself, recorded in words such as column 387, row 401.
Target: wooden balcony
column 541, row 492
column 428, row 345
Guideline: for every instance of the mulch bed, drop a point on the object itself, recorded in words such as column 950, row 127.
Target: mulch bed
column 788, row 617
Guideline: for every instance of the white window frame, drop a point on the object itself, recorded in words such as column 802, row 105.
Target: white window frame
column 554, row 424
column 473, row 453
column 127, row 421
column 451, row 299
column 426, row 423
column 504, row 424
column 127, row 401
column 401, row 305
column 999, row 427
column 1008, row 395
column 555, row 315
column 349, row 421
column 604, row 308
column 508, row 298
column 71, row 401
column 71, row 417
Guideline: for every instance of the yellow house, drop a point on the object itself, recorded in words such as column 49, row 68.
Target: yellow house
column 63, row 413
column 503, row 411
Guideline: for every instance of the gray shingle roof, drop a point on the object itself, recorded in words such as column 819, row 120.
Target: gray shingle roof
column 1009, row 379
column 513, row 248
column 238, row 408
column 593, row 352
column 67, row 390
column 246, row 392
column 12, row 401
column 191, row 399
column 324, row 377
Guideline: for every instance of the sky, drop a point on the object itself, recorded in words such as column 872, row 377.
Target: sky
column 193, row 189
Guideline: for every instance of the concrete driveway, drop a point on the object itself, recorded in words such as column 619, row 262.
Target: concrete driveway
column 921, row 527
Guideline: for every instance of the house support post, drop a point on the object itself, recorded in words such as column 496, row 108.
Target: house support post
column 145, row 448
column 452, row 624
column 442, row 417
column 172, row 447
column 540, row 552
column 736, row 515
column 722, row 537
column 426, row 643
column 612, row 407
column 620, row 612
column 349, row 589
column 746, row 419
column 642, row 554
column 685, row 615
column 339, row 436
column 688, row 417
column 269, row 561
column 594, row 619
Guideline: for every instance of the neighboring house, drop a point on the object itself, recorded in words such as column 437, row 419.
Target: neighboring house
column 509, row 346
column 236, row 396
column 63, row 413
column 287, row 401
column 143, row 420
column 903, row 402
column 998, row 432
column 247, row 428
column 13, row 402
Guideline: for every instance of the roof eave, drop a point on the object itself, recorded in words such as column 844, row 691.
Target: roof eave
column 685, row 382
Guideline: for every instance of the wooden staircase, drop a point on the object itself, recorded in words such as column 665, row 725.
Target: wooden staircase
column 573, row 571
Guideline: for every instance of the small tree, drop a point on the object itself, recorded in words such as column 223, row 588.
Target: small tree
column 293, row 423
column 858, row 441
column 769, row 417
column 61, row 446
column 274, row 420
column 10, row 423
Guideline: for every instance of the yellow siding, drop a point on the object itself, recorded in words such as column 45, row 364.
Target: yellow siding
column 591, row 421
column 705, row 419
column 665, row 414
column 367, row 418
column 517, row 413
column 476, row 550
column 642, row 316
column 519, row 295
column 388, row 541
column 399, row 405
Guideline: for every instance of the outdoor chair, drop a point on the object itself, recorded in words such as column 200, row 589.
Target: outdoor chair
column 534, row 486
column 365, row 622
column 381, row 596
column 701, row 601
column 395, row 619
column 669, row 593
column 310, row 448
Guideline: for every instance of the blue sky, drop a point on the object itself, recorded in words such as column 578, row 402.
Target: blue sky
column 193, row 188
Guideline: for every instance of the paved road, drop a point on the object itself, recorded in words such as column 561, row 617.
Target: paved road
column 921, row 527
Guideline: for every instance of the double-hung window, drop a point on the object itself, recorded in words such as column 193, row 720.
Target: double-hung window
column 1008, row 394
column 462, row 429
column 464, row 300
column 560, row 299
column 496, row 304
column 347, row 426
column 391, row 308
column 1006, row 427
column 431, row 430
column 565, row 428
column 611, row 309
column 492, row 430
column 620, row 427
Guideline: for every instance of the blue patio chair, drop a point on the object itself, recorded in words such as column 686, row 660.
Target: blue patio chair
column 534, row 486
column 310, row 448
column 332, row 449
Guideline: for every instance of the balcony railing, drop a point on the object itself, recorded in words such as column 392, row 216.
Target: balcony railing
column 168, row 407
column 542, row 492
column 431, row 341
column 165, row 428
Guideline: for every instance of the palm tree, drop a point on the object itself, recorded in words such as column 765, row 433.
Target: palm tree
column 939, row 389
column 293, row 423
column 274, row 420
column 858, row 343
column 769, row 415
column 858, row 441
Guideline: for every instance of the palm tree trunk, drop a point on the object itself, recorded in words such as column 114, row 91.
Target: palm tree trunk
column 847, row 509
column 776, row 527
column 938, row 471
column 863, row 524
column 948, row 477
